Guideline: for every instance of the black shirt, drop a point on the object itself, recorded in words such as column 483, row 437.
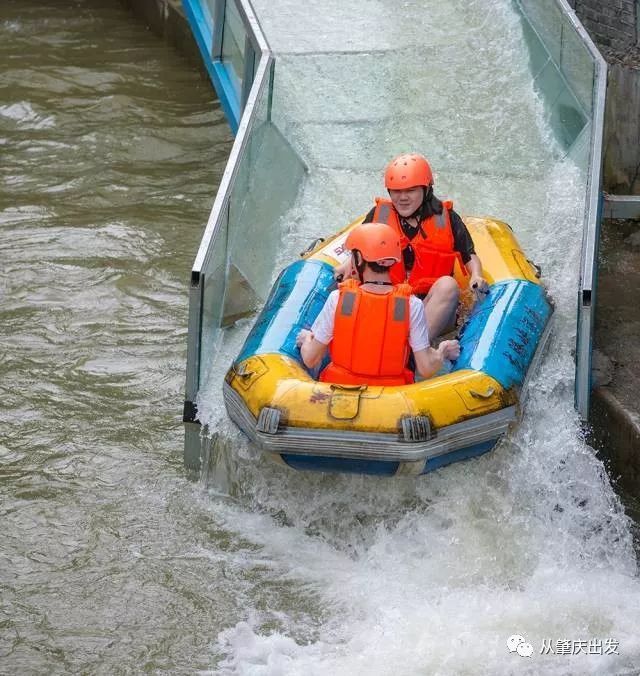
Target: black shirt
column 462, row 241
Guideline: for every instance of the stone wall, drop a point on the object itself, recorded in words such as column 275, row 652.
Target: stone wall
column 614, row 25
column 611, row 23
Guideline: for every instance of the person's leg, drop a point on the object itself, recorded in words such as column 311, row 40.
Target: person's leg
column 440, row 306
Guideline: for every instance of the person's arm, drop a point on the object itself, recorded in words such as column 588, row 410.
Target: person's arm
column 476, row 282
column 313, row 343
column 463, row 243
column 311, row 349
column 429, row 361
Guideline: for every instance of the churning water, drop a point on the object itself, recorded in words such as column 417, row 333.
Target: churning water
column 431, row 575
column 111, row 147
column 112, row 562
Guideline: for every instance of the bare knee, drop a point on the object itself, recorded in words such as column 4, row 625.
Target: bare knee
column 445, row 288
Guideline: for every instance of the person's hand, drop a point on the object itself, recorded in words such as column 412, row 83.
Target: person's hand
column 449, row 349
column 343, row 271
column 304, row 336
column 479, row 285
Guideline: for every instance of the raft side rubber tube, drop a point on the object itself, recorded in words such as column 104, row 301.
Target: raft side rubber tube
column 498, row 345
column 385, row 468
column 276, row 381
column 319, row 450
column 297, row 296
column 381, row 444
column 501, row 336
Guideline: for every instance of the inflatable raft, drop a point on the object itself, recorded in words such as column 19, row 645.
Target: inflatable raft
column 411, row 429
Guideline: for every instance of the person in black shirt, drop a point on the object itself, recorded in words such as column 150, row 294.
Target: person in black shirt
column 433, row 237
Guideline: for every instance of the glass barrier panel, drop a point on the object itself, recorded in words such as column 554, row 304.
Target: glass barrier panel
column 567, row 118
column 233, row 41
column 538, row 55
column 213, row 277
column 580, row 151
column 578, row 66
column 252, row 240
column 219, row 271
column 546, row 18
column 269, row 177
column 550, row 82
column 208, row 11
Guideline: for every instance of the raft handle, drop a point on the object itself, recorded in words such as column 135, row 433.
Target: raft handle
column 536, row 267
column 348, row 388
column 482, row 395
column 312, row 246
column 242, row 373
column 416, row 428
column 268, row 420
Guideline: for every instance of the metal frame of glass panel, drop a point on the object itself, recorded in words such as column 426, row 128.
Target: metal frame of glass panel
column 591, row 235
column 208, row 19
column 556, row 42
column 253, row 90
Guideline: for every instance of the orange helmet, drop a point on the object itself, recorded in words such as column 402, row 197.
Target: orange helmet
column 407, row 171
column 377, row 242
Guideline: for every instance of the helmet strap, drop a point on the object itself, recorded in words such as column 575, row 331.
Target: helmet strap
column 359, row 263
column 420, row 213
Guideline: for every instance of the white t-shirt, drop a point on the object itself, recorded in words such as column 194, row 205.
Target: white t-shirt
column 418, row 333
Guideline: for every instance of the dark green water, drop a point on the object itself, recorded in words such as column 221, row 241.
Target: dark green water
column 111, row 150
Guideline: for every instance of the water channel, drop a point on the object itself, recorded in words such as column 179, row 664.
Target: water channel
column 112, row 561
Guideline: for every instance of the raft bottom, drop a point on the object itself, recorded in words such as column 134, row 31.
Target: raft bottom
column 316, row 463
column 343, row 465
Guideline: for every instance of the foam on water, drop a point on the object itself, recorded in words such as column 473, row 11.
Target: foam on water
column 26, row 117
column 431, row 575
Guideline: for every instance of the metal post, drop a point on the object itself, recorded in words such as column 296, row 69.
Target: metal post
column 249, row 68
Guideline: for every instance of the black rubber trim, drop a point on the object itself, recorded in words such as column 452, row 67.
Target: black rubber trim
column 190, row 412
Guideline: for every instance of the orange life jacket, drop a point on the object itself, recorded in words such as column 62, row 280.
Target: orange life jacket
column 433, row 246
column 370, row 343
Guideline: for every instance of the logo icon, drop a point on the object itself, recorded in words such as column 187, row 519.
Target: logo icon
column 518, row 644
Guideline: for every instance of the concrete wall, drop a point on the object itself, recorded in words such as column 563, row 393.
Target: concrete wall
column 616, row 434
column 622, row 133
